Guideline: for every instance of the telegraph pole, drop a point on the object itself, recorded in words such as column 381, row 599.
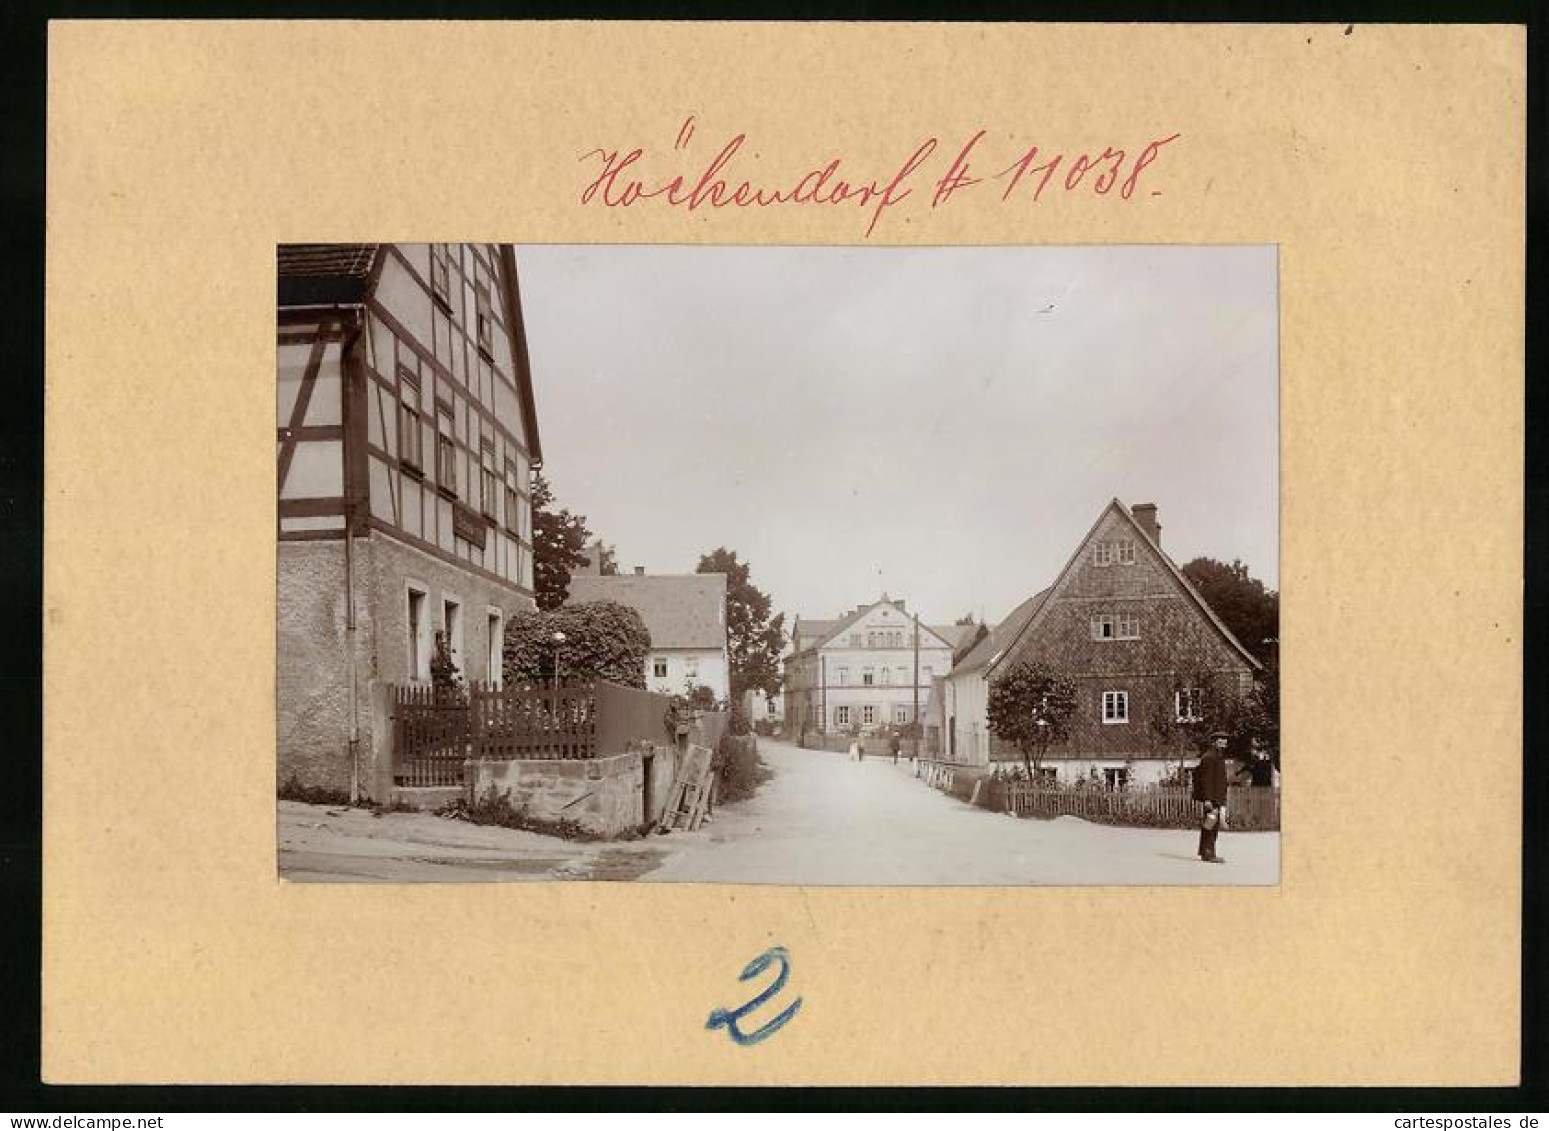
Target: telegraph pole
column 914, row 729
column 823, row 691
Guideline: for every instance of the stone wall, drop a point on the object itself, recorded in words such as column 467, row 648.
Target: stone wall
column 395, row 566
column 312, row 669
column 602, row 795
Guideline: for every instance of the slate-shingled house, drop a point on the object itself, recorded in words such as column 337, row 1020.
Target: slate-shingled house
column 685, row 615
column 406, row 441
column 1135, row 636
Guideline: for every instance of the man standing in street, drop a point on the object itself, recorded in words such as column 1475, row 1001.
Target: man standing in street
column 1210, row 788
column 897, row 746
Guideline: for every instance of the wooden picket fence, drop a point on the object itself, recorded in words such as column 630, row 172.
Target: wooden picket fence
column 430, row 736
column 435, row 733
column 1248, row 808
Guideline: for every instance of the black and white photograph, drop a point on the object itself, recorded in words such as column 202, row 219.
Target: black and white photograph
column 856, row 566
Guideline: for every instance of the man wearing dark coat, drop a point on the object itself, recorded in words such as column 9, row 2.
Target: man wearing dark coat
column 1210, row 788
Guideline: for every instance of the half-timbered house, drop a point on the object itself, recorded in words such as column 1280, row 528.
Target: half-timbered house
column 1142, row 647
column 407, row 439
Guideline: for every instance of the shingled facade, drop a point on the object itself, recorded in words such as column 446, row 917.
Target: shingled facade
column 1125, row 625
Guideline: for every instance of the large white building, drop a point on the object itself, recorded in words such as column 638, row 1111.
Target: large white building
column 686, row 617
column 863, row 670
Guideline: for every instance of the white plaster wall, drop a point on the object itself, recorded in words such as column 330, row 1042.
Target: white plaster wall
column 714, row 671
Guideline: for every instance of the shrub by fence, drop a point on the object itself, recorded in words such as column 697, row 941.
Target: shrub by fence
column 1247, row 808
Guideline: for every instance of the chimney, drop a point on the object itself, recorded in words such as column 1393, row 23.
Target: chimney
column 640, row 571
column 903, row 606
column 1145, row 515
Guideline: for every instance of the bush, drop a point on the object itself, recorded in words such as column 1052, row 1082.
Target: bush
column 292, row 789
column 603, row 640
column 739, row 770
column 737, row 723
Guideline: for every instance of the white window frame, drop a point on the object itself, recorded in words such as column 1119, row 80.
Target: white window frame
column 1189, row 705
column 1104, row 627
column 1102, row 553
column 869, row 715
column 1127, row 626
column 495, row 625
column 868, row 677
column 842, row 676
column 453, row 627
column 1115, row 777
column 419, row 638
column 842, row 716
column 1115, row 708
column 691, row 667
column 658, row 667
column 886, row 676
column 1126, row 551
column 901, row 714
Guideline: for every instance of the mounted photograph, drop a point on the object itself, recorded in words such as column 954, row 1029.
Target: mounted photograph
column 805, row 565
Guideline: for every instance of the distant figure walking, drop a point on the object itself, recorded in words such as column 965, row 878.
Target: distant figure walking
column 1210, row 788
column 855, row 750
column 897, row 746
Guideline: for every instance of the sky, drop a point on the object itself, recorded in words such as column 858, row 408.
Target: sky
column 939, row 424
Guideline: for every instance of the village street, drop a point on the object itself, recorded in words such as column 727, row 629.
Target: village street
column 820, row 820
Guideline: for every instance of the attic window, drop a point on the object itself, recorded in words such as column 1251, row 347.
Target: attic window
column 1102, row 553
column 1126, row 551
column 1103, row 627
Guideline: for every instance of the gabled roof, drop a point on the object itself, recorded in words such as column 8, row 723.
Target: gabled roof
column 816, row 633
column 989, row 650
column 1187, row 586
column 681, row 611
column 318, row 274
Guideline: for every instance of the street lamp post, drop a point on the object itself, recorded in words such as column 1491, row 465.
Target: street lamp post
column 559, row 644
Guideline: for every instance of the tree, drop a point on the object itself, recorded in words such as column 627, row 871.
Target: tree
column 1030, row 707
column 559, row 541
column 754, row 638
column 603, row 640
column 607, row 560
column 1214, row 704
column 1242, row 602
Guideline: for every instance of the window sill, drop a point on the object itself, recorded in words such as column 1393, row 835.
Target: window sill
column 410, row 469
column 1115, row 722
column 446, row 492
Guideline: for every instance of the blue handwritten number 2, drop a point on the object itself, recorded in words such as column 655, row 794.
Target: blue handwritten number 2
column 730, row 1017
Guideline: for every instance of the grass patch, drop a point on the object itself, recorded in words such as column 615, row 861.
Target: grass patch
column 496, row 808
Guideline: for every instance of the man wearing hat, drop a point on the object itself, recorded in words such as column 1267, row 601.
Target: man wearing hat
column 1210, row 787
